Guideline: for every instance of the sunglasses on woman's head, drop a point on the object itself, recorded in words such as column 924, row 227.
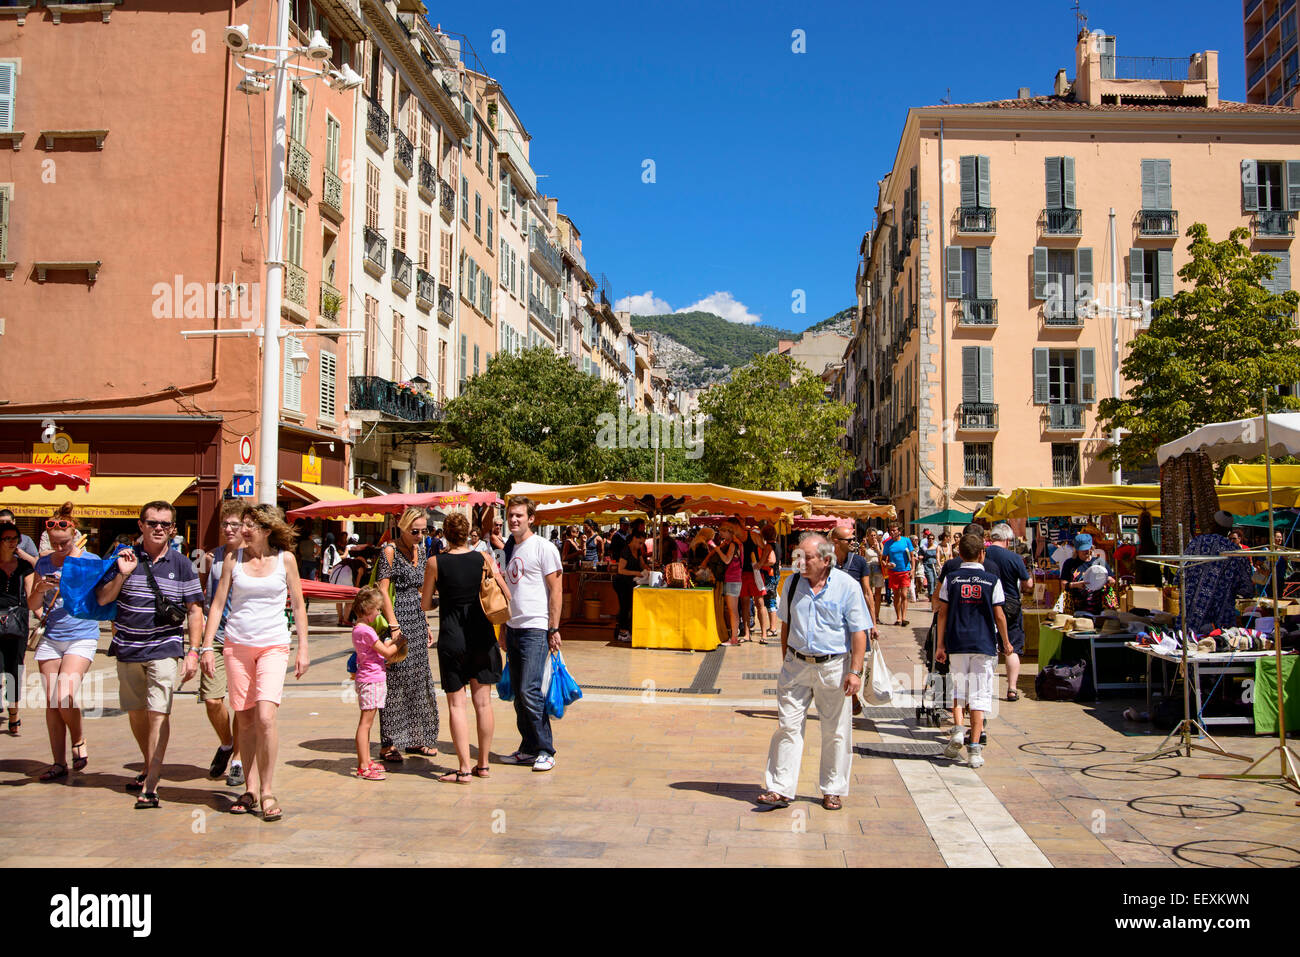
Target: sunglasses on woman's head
column 57, row 523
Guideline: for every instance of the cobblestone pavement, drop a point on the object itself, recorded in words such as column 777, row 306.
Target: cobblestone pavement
column 657, row 766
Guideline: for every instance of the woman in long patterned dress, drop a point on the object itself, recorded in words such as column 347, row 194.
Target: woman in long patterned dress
column 409, row 719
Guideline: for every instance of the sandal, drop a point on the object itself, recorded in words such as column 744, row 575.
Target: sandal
column 246, row 804
column 1013, row 695
column 424, row 750
column 772, row 799
column 392, row 756
column 147, row 799
column 79, row 761
column 271, row 810
column 14, row 725
column 137, row 785
column 54, row 772
column 482, row 771
column 371, row 772
column 831, row 802
column 456, row 777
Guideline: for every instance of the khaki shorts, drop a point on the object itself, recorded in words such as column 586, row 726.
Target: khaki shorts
column 148, row 685
column 214, row 688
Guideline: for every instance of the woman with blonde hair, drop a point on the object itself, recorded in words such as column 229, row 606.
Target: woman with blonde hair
column 409, row 719
column 62, row 518
column 259, row 579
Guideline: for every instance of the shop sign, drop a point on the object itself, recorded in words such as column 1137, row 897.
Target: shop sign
column 62, row 451
column 311, row 466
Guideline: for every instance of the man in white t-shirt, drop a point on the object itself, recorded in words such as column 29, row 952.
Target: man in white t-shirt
column 533, row 631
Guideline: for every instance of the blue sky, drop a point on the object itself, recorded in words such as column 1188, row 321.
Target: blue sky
column 766, row 160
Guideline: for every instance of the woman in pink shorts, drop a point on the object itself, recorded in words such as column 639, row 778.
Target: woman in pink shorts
column 259, row 581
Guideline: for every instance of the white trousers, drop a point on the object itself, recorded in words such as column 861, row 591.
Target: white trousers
column 800, row 684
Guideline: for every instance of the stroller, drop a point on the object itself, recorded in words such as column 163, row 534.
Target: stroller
column 936, row 696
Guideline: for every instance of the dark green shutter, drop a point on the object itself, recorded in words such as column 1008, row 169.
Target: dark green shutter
column 1052, row 169
column 1281, row 281
column 1149, row 185
column 1164, row 185
column 1249, row 182
column 986, row 374
column 1067, row 182
column 1083, row 290
column 953, row 257
column 1293, row 185
column 1088, row 375
column 969, row 197
column 970, row 374
column 1137, row 277
column 984, row 197
column 1164, row 274
column 983, row 273
column 1042, row 392
column 1040, row 272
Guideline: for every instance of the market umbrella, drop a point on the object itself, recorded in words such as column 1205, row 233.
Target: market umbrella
column 663, row 498
column 366, row 509
column 949, row 516
column 23, row 475
column 1260, row 520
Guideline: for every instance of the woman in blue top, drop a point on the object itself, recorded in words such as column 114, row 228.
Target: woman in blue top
column 64, row 654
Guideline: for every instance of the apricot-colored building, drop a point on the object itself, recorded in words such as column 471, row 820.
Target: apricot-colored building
column 135, row 209
column 989, row 271
column 1272, row 29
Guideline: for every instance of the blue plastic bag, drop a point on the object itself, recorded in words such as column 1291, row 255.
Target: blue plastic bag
column 562, row 690
column 505, row 691
column 81, row 575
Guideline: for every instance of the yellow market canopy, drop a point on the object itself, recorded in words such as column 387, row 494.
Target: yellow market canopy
column 842, row 508
column 1122, row 500
column 109, row 496
column 664, row 497
column 1238, row 474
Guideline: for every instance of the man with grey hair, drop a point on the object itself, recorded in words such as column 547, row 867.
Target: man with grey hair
column 1015, row 577
column 824, row 626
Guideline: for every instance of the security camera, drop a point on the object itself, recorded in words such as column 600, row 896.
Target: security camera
column 319, row 48
column 251, row 85
column 237, row 38
column 47, row 431
column 346, row 78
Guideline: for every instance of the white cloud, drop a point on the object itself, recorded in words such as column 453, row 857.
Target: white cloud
column 725, row 305
column 646, row 304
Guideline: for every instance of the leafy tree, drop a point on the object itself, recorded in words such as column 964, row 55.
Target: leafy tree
column 771, row 427
column 531, row 417
column 1210, row 351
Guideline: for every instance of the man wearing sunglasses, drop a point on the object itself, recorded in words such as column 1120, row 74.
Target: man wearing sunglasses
column 158, row 600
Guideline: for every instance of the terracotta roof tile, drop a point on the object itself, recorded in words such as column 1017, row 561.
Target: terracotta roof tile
column 1064, row 104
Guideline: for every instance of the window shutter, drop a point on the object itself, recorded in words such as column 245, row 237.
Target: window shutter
column 1107, row 58
column 986, row 374
column 1293, row 185
column 1088, row 375
column 1249, row 182
column 1067, row 182
column 1164, row 273
column 984, row 195
column 1040, row 272
column 504, row 263
column 1137, row 265
column 1052, row 168
column 4, row 226
column 953, row 256
column 505, row 193
column 1042, row 392
column 1083, row 274
column 969, row 196
column 1281, row 281
column 1149, row 185
column 970, row 373
column 1164, row 185
column 983, row 273
column 328, row 372
column 292, row 384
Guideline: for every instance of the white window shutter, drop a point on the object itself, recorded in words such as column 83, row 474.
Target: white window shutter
column 8, row 81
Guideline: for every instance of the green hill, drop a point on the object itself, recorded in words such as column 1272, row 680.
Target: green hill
column 719, row 343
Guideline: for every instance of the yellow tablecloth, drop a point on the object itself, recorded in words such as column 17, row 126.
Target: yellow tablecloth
column 674, row 618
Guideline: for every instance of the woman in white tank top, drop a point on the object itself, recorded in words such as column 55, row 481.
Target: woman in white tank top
column 261, row 578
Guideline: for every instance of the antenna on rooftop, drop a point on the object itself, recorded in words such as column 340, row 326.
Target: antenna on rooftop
column 1080, row 20
column 947, row 98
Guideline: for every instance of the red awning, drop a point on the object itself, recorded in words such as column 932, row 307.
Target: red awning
column 23, row 475
column 328, row 591
column 393, row 504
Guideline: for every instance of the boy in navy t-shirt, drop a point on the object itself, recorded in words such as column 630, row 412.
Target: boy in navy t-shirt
column 971, row 621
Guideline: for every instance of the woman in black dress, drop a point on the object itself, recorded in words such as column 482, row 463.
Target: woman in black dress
column 468, row 652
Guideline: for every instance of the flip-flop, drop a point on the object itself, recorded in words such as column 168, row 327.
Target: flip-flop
column 424, row 751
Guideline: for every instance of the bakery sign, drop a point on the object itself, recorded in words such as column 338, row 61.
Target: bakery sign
column 62, row 451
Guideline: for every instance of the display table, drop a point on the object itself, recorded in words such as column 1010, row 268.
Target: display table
column 1053, row 643
column 1215, row 664
column 681, row 618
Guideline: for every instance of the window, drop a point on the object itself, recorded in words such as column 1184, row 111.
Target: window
column 399, row 333
column 490, row 216
column 332, row 144
column 505, row 193
column 422, row 352
column 463, row 341
column 426, row 237
column 293, row 241
column 476, row 360
column 329, row 365
column 975, row 182
column 491, row 150
column 970, row 278
column 977, row 459
column 1157, row 189
column 4, row 224
column 444, row 257
column 1270, row 186
column 514, row 268
column 298, row 114
column 372, row 335
column 1062, row 277
column 503, row 264
column 8, row 95
column 372, row 195
column 478, row 145
column 426, row 134
column 1065, row 376
column 976, row 376
column 478, row 215
column 442, row 369
column 484, row 294
column 1065, row 464
column 1059, row 172
column 292, row 380
column 399, row 221
column 1150, row 277
column 464, row 200
column 1281, row 279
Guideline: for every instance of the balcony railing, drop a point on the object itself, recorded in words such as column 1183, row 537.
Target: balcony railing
column 978, row 312
column 404, row 155
column 1274, row 222
column 376, row 394
column 1153, row 68
column 447, row 196
column 426, row 289
column 538, row 308
column 978, row 416
column 1158, row 222
column 330, row 302
column 1061, row 314
column 428, row 180
column 1065, row 418
column 1254, row 39
column 295, row 284
column 545, row 253
column 1257, row 74
column 376, row 124
column 376, row 248
column 446, row 301
column 577, row 255
column 401, row 270
column 299, row 169
column 1252, row 6
column 1062, row 222
column 976, row 219
column 332, row 192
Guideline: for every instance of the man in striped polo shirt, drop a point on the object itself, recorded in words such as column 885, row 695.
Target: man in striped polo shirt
column 147, row 643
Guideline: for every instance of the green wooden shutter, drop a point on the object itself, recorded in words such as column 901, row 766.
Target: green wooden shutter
column 953, row 262
column 1088, row 375
column 984, row 193
column 1249, row 182
column 1149, row 184
column 970, row 374
column 1042, row 392
column 969, row 197
column 1164, row 185
column 1107, row 48
column 1040, row 272
column 1083, row 290
column 1052, row 170
column 983, row 273
column 986, row 374
column 1281, row 279
column 1292, row 185
column 1164, row 274
column 1067, row 182
column 8, row 82
column 1137, row 277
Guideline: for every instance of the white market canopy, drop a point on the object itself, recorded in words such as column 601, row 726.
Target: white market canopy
column 1242, row 437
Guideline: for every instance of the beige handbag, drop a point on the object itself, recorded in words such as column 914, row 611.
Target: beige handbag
column 494, row 602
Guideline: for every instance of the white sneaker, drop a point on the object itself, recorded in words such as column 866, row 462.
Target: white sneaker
column 953, row 748
column 976, row 752
column 624, row 636
column 544, row 762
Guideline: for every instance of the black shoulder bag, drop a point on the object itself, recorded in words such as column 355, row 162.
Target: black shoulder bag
column 167, row 614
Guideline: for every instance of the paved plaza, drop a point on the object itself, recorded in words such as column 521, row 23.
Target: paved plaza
column 657, row 766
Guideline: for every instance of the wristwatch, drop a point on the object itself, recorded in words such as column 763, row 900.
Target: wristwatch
column 552, row 631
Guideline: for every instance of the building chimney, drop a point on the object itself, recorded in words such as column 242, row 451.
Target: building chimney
column 1061, row 86
column 1022, row 93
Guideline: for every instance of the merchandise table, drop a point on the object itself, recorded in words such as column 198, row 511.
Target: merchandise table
column 1205, row 663
column 681, row 618
column 1051, row 644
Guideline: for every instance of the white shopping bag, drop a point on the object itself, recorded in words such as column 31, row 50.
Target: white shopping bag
column 877, row 689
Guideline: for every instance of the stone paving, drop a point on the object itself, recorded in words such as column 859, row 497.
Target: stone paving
column 657, row 766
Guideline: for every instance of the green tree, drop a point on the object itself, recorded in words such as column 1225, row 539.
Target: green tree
column 1210, row 351
column 531, row 417
column 771, row 427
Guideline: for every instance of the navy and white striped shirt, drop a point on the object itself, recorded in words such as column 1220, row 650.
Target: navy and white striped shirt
column 138, row 636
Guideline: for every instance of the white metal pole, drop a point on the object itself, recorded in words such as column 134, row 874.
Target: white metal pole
column 269, row 440
column 1115, row 474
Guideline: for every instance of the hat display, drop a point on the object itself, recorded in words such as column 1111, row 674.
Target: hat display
column 1084, row 624
column 1112, row 626
column 1062, row 621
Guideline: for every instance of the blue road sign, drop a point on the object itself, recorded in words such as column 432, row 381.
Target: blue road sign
column 243, row 486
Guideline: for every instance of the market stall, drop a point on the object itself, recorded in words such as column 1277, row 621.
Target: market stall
column 374, row 508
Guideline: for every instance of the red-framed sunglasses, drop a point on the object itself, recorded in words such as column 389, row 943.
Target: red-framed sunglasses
column 57, row 523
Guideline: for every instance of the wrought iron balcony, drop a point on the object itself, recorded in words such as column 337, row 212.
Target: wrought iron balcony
column 299, row 169
column 332, row 193
column 401, row 271
column 978, row 416
column 376, row 125
column 538, row 308
column 376, row 394
column 404, row 155
column 1065, row 418
column 330, row 302
column 1062, row 222
column 1274, row 222
column 295, row 284
column 545, row 255
column 1158, row 222
column 447, row 196
column 425, row 289
column 376, row 249
column 428, row 181
column 978, row 312
column 1061, row 314
column 446, row 302
column 976, row 219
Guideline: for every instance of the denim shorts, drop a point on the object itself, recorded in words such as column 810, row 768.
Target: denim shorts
column 731, row 589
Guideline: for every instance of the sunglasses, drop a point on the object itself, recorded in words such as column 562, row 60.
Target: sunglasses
column 57, row 523
column 8, row 541
column 157, row 523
